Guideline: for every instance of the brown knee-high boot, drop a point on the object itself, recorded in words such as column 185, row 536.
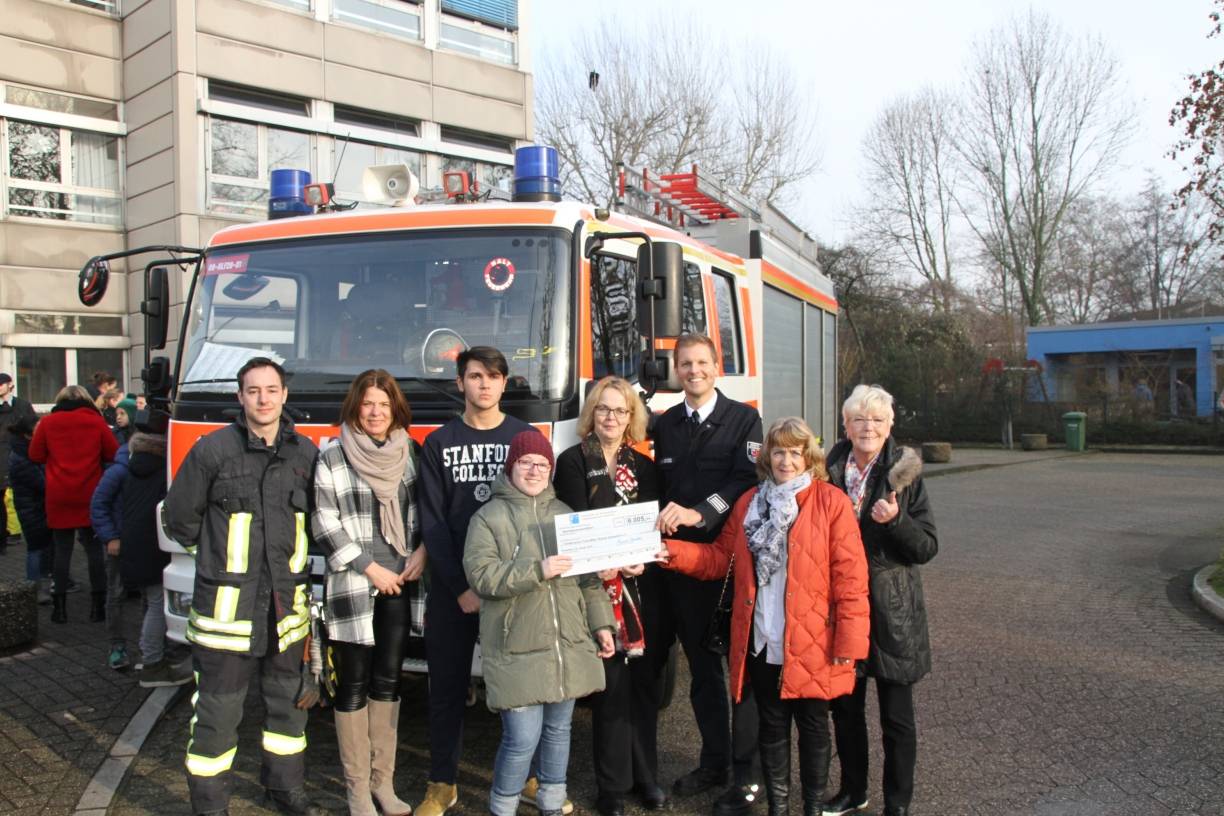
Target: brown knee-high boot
column 384, row 733
column 353, row 737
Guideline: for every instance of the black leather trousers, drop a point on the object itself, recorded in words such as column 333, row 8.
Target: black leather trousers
column 373, row 672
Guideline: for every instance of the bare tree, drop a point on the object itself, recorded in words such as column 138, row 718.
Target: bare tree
column 913, row 174
column 1043, row 119
column 670, row 95
column 1093, row 253
column 1173, row 261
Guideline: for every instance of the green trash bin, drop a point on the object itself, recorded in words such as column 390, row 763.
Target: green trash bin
column 1075, row 430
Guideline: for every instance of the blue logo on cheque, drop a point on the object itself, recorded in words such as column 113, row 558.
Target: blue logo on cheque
column 574, row 518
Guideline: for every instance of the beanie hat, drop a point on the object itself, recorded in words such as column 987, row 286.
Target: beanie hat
column 127, row 406
column 526, row 442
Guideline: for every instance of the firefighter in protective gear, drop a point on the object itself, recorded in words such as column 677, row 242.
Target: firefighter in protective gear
column 238, row 504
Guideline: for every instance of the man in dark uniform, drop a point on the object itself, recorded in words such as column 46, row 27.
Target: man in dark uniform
column 706, row 450
column 238, row 505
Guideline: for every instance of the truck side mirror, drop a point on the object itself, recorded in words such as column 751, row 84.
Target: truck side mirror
column 156, row 308
column 157, row 377
column 660, row 289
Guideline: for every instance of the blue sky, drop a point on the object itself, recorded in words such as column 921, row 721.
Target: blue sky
column 854, row 57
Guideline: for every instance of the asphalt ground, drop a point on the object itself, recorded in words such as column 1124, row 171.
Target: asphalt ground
column 1073, row 674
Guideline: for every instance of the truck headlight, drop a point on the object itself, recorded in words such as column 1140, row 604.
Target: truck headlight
column 179, row 603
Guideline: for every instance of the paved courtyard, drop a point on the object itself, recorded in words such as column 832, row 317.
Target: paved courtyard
column 1073, row 674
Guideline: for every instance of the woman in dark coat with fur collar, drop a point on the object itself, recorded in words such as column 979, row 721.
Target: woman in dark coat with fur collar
column 884, row 483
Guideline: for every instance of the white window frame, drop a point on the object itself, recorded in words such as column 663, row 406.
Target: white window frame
column 8, row 182
column 65, row 123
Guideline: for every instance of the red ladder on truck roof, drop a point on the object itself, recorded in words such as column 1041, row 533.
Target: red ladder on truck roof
column 677, row 199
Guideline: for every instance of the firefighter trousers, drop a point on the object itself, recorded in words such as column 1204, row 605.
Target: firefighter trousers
column 221, row 688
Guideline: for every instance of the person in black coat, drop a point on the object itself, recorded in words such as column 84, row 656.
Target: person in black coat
column 29, row 487
column 141, row 559
column 604, row 470
column 884, row 483
column 13, row 409
column 706, row 450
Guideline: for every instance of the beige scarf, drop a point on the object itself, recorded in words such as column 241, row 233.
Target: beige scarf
column 382, row 468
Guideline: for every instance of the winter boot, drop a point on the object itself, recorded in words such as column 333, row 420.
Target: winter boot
column 59, row 607
column 439, row 798
column 97, row 607
column 775, row 765
column 814, row 756
column 353, row 737
column 384, row 734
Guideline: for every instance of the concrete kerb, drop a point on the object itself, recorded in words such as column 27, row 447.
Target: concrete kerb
column 101, row 789
column 1205, row 596
column 931, row 471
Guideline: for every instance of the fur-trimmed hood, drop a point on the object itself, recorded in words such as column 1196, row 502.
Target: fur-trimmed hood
column 906, row 470
column 154, row 444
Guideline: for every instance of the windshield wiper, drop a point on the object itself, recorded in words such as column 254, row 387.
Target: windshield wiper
column 430, row 384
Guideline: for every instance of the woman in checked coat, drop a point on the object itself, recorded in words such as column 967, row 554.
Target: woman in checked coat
column 366, row 520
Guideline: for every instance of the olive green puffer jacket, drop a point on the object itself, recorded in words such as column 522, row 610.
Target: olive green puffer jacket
column 536, row 636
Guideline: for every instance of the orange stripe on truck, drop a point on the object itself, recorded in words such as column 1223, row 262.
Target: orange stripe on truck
column 380, row 222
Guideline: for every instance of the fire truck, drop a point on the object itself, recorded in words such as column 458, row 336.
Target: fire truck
column 569, row 292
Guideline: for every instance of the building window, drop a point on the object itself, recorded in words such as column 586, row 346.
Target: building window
column 62, row 174
column 477, row 40
column 255, row 98
column 376, row 121
column 42, row 372
column 488, row 176
column 352, row 158
column 111, row 6
column 399, row 17
column 502, row 13
column 33, row 323
column 61, row 103
column 242, row 156
column 483, row 141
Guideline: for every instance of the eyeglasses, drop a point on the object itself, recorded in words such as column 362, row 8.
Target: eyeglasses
column 528, row 467
column 603, row 411
column 875, row 422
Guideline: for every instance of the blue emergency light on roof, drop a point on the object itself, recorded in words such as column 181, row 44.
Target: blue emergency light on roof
column 286, row 199
column 535, row 174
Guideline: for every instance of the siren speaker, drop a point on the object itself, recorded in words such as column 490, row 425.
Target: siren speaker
column 389, row 184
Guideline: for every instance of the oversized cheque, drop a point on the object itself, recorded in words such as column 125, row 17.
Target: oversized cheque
column 609, row 537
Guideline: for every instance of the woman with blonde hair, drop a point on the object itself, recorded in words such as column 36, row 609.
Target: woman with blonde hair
column 800, row 618
column 73, row 441
column 604, row 470
column 884, row 483
column 366, row 521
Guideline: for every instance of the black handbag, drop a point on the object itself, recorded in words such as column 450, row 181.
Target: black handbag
column 717, row 638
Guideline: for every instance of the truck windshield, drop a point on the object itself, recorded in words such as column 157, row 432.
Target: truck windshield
column 409, row 302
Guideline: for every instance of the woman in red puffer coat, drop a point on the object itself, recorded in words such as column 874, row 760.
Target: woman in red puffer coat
column 73, row 441
column 800, row 617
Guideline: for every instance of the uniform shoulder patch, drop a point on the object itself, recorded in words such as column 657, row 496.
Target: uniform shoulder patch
column 754, row 451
